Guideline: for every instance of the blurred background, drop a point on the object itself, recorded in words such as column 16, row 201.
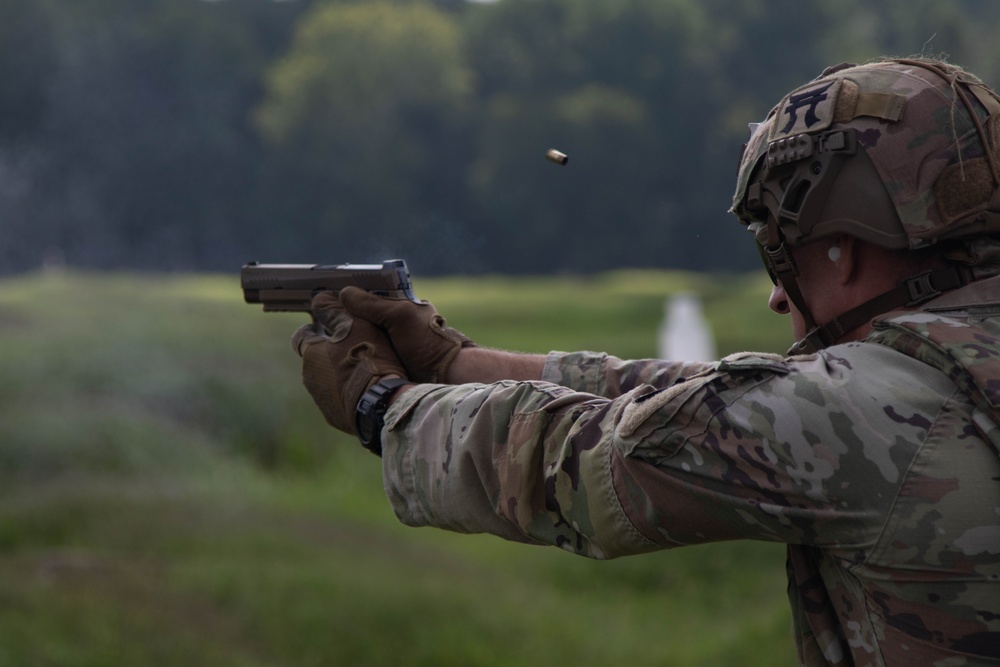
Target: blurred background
column 191, row 135
column 169, row 495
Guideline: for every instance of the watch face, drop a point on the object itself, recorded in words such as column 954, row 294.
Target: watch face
column 363, row 421
column 365, row 430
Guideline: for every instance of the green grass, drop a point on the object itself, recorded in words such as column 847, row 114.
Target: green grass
column 170, row 496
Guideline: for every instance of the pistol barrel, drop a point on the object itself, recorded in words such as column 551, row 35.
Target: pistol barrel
column 291, row 287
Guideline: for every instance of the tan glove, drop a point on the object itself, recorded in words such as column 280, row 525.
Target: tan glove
column 422, row 339
column 341, row 358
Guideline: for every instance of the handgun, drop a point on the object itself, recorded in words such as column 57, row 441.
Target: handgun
column 291, row 287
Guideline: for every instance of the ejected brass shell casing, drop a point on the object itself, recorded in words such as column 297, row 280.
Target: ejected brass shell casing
column 556, row 156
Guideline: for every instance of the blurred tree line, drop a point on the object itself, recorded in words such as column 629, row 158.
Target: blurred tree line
column 195, row 135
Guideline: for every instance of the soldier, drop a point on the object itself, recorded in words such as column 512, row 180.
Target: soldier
column 871, row 450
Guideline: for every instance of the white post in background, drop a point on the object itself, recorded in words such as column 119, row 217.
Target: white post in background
column 685, row 334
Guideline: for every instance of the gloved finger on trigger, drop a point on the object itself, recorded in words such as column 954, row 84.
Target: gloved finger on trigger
column 326, row 301
column 304, row 336
column 329, row 313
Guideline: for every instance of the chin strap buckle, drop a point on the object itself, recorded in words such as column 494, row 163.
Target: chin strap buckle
column 779, row 260
column 920, row 288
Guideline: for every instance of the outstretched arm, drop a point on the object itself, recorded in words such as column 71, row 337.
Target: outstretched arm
column 434, row 352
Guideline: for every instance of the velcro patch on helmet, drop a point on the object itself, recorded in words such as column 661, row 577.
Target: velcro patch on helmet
column 969, row 187
column 963, row 189
column 808, row 109
column 887, row 106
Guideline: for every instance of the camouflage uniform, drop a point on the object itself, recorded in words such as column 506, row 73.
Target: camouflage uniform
column 875, row 461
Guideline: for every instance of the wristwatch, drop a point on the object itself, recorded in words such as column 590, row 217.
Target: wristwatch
column 369, row 416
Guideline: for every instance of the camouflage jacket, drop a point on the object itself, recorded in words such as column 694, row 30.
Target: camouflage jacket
column 876, row 462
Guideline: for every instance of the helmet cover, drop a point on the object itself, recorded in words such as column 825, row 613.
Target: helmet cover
column 899, row 153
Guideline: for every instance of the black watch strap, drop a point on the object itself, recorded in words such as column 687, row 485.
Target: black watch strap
column 369, row 416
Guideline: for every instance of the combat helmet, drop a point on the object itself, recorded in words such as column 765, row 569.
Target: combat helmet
column 900, row 153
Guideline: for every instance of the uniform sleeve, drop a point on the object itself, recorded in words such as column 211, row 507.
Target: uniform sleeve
column 604, row 375
column 757, row 447
column 522, row 460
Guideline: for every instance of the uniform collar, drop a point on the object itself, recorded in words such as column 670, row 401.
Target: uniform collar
column 979, row 293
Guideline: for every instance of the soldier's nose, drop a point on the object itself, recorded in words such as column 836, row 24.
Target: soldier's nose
column 778, row 301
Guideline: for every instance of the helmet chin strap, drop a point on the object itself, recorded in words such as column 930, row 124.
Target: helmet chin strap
column 909, row 292
column 781, row 265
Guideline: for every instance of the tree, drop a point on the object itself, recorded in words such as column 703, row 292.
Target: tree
column 139, row 141
column 363, row 116
column 623, row 88
column 146, row 134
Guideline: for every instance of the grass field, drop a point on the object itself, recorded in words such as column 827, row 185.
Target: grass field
column 170, row 496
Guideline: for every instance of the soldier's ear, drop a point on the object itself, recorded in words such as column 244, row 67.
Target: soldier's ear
column 845, row 254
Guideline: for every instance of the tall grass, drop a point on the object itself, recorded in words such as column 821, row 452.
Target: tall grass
column 170, row 496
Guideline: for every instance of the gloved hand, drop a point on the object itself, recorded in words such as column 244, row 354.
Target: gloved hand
column 341, row 358
column 421, row 337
